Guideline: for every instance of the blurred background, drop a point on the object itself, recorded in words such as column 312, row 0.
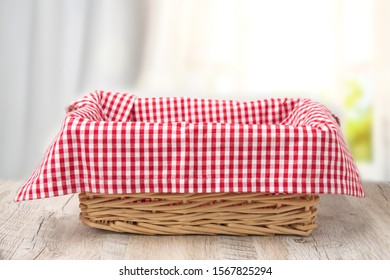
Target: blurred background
column 332, row 51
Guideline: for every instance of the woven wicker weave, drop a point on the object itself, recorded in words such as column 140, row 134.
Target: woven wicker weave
column 217, row 213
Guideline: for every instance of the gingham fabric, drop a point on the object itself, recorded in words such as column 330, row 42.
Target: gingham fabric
column 115, row 143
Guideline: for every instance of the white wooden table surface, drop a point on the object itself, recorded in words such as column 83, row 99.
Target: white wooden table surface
column 348, row 228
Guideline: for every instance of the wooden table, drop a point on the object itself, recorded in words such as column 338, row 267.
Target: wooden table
column 348, row 228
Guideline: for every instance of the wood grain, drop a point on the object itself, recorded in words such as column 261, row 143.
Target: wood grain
column 348, row 228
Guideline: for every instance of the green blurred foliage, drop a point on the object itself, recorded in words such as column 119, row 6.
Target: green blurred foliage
column 355, row 94
column 358, row 122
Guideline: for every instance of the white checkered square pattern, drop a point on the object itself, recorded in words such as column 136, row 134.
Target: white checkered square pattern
column 115, row 143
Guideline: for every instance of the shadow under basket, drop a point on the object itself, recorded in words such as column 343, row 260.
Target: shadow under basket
column 210, row 214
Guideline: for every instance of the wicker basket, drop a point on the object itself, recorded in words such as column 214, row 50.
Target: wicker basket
column 216, row 213
column 181, row 165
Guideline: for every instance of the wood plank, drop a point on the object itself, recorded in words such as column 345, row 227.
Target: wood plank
column 352, row 228
column 349, row 228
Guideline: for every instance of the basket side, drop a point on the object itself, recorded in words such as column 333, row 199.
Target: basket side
column 210, row 214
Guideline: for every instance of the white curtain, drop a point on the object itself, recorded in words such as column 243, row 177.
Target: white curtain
column 51, row 53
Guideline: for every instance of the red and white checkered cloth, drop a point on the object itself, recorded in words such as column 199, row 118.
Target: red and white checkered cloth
column 114, row 143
